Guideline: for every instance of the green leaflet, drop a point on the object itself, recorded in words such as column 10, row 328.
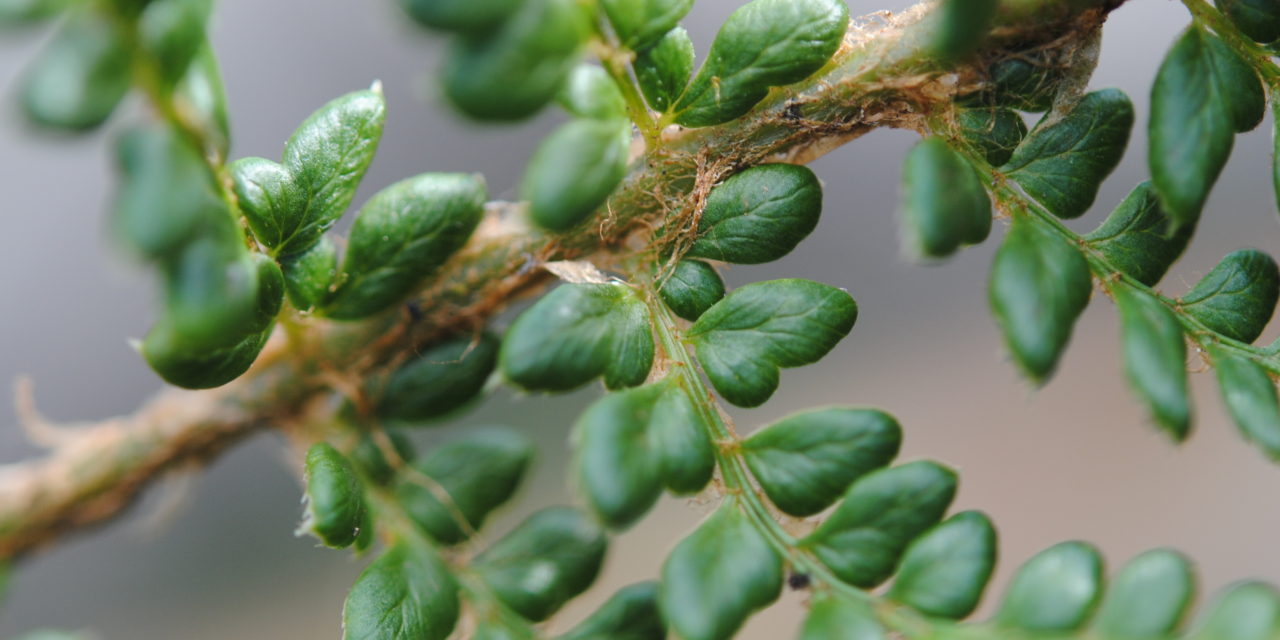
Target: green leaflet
column 1250, row 396
column 806, row 461
column 269, row 198
column 691, row 289
column 613, row 464
column 511, row 72
column 630, row 443
column 591, row 93
column 640, row 23
column 1236, row 298
column 1155, row 358
column 473, row 16
column 167, row 194
column 199, row 368
column 335, row 498
column 718, row 576
column 945, row 570
column 80, row 76
column 368, row 457
column 1258, row 19
column 758, row 215
column 831, row 618
column 213, row 292
column 630, row 614
column 405, row 594
column 1054, row 591
column 574, row 170
column 578, row 332
column 766, row 43
column 944, row 204
column 994, row 132
column 1138, row 238
column 1062, row 162
column 663, row 69
column 881, row 513
column 547, row 560
column 1148, row 598
column 327, row 157
column 479, row 471
column 308, row 275
column 172, row 32
column 1202, row 95
column 439, row 380
column 679, row 438
column 1247, row 611
column 202, row 88
column 1039, row 286
column 1025, row 85
column 743, row 340
column 401, row 236
column 958, row 27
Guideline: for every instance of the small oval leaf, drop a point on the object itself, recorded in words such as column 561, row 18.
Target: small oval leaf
column 1055, row 591
column 944, row 572
column 1237, row 297
column 692, row 288
column 335, row 497
column 406, row 594
column 759, row 215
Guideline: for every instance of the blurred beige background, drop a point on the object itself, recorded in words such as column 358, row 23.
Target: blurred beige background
column 1073, row 460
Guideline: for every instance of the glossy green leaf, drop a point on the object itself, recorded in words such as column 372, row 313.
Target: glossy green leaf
column 692, row 288
column 993, row 131
column 1039, row 286
column 1258, row 19
column 439, row 380
column 944, row 204
column 613, row 465
column 1203, row 94
column 766, row 43
column 460, row 15
column 478, row 471
column 327, row 156
column 172, row 32
column 1148, row 598
column 833, row 618
column 881, row 513
column 547, row 560
column 745, row 339
column 630, row 614
column 308, row 275
column 405, row 594
column 1236, row 298
column 1138, row 238
column 640, row 23
column 1062, row 162
column 591, row 93
column 1250, row 396
column 401, row 236
column 576, row 333
column 270, row 200
column 1247, row 611
column 334, row 497
column 958, row 27
column 1054, row 591
column 368, row 457
column 663, row 69
column 167, row 193
column 80, row 76
column 212, row 291
column 944, row 572
column 759, row 215
column 515, row 70
column 680, row 440
column 198, row 367
column 574, row 170
column 1155, row 358
column 718, row 576
column 806, row 461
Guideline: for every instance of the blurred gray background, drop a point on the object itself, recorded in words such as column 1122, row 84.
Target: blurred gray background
column 1076, row 459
